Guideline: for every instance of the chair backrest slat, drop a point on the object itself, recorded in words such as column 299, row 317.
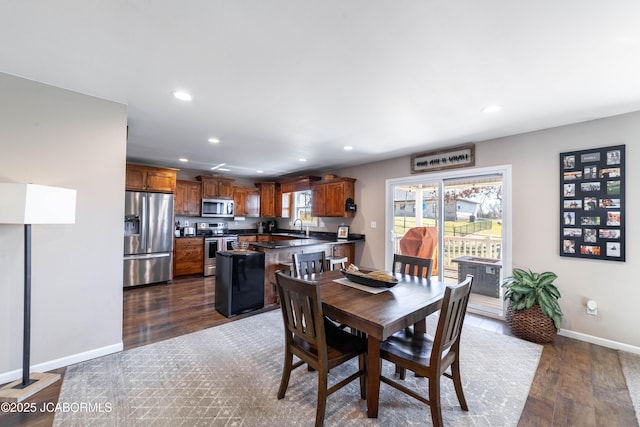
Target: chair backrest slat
column 309, row 263
column 452, row 313
column 412, row 265
column 301, row 308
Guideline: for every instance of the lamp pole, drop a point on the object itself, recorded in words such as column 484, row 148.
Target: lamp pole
column 26, row 333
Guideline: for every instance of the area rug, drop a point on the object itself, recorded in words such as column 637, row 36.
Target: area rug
column 229, row 375
column 631, row 369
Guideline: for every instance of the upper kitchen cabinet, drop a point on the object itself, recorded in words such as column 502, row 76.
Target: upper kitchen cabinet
column 247, row 201
column 150, row 178
column 216, row 187
column 300, row 183
column 188, row 199
column 330, row 197
column 268, row 206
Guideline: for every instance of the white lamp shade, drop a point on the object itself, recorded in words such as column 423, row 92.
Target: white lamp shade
column 36, row 204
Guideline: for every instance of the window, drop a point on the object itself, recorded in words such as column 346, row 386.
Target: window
column 302, row 208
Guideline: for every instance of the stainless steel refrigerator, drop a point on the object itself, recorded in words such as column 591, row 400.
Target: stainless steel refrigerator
column 148, row 237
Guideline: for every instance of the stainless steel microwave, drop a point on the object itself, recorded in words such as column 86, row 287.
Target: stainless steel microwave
column 217, row 208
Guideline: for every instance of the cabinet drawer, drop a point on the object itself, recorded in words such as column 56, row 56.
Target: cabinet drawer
column 191, row 254
column 188, row 242
column 188, row 267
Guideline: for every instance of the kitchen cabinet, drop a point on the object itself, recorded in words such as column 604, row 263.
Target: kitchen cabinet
column 344, row 250
column 247, row 201
column 251, row 238
column 188, row 256
column 150, row 178
column 330, row 197
column 267, row 199
column 300, row 183
column 216, row 187
column 188, row 199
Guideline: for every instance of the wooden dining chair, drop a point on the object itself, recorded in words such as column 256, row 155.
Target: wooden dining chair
column 309, row 263
column 412, row 265
column 431, row 358
column 314, row 342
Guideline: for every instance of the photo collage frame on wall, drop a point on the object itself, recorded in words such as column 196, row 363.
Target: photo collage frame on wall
column 592, row 214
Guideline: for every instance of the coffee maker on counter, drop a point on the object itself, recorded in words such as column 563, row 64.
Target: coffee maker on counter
column 272, row 226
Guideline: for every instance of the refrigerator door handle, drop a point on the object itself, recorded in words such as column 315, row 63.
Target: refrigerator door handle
column 144, row 223
column 147, row 256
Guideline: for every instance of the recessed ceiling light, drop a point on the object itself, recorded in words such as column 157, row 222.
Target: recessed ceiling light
column 302, row 160
column 347, row 148
column 182, row 95
column 259, row 171
column 224, row 170
column 182, row 159
column 492, row 108
column 213, row 140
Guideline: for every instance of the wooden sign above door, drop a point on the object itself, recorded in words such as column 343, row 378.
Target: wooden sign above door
column 449, row 158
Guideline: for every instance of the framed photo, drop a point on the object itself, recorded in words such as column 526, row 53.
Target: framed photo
column 592, row 204
column 343, row 232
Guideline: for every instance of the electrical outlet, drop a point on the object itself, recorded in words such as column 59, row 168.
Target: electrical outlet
column 373, row 224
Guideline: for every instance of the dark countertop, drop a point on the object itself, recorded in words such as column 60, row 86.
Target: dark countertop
column 239, row 252
column 299, row 239
column 283, row 244
column 297, row 234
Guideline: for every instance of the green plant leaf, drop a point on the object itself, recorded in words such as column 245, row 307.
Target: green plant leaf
column 525, row 288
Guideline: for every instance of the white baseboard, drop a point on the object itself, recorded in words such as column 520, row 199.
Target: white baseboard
column 599, row 341
column 7, row 377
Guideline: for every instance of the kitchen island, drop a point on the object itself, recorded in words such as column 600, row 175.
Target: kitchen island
column 279, row 253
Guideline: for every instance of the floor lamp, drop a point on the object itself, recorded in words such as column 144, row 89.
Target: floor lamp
column 29, row 204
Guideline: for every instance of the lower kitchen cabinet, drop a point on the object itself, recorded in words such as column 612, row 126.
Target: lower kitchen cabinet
column 188, row 256
column 344, row 250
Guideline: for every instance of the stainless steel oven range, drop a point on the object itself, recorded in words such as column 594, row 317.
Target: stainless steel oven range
column 212, row 245
column 216, row 238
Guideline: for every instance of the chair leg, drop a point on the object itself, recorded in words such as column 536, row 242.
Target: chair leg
column 362, row 365
column 402, row 372
column 457, row 383
column 434, row 399
column 286, row 373
column 322, row 396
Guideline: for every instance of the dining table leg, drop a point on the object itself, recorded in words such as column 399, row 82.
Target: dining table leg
column 374, row 365
column 420, row 326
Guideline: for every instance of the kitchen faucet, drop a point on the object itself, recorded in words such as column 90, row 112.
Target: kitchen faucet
column 294, row 223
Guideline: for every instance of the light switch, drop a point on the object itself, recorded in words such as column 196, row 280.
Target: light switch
column 373, row 224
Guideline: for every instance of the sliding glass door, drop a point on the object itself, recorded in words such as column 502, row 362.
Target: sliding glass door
column 460, row 220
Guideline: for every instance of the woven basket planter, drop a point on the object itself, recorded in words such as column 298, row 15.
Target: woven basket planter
column 531, row 324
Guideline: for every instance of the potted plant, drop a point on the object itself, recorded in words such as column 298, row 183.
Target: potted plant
column 533, row 312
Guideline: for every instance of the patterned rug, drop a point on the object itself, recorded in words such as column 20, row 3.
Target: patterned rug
column 631, row 370
column 229, row 375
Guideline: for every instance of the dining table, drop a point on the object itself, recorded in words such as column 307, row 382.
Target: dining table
column 378, row 315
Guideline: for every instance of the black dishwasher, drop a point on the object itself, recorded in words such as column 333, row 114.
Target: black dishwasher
column 239, row 282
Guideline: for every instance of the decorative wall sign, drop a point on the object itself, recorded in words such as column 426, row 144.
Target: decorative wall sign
column 456, row 157
column 592, row 214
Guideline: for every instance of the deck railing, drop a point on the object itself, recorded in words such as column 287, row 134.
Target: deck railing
column 458, row 246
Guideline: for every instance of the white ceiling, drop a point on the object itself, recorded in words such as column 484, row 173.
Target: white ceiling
column 277, row 80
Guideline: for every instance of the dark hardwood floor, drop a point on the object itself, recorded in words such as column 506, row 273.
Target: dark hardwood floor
column 576, row 383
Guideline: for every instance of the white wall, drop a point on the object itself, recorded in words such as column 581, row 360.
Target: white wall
column 535, row 160
column 55, row 137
